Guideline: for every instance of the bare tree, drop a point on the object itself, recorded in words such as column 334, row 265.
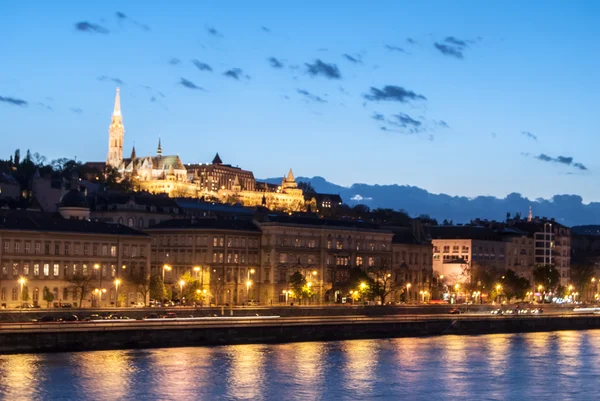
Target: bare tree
column 82, row 283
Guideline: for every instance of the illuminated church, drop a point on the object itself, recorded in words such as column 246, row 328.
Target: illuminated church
column 215, row 181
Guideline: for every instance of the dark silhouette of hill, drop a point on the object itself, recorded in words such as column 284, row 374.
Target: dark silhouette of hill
column 566, row 209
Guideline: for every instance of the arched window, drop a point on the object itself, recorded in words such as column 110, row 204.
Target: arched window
column 140, row 223
column 65, row 294
column 36, row 294
column 131, row 222
column 55, row 292
column 120, row 220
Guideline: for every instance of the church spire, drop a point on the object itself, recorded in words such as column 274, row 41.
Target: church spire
column 117, row 109
column 530, row 215
column 290, row 176
column 116, row 132
column 133, row 155
column 159, row 149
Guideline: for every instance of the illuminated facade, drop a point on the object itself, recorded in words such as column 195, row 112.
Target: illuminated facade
column 216, row 181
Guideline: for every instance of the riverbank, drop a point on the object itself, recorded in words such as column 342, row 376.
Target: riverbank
column 80, row 336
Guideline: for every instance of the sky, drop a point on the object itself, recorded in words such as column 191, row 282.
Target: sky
column 464, row 97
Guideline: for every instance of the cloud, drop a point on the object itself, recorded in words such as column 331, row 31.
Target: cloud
column 442, row 124
column 452, row 46
column 393, row 93
column 311, row 96
column 358, row 197
column 14, row 101
column 406, row 121
column 449, row 50
column 202, row 66
column 85, row 26
column 265, row 29
column 393, row 48
column 529, row 135
column 76, row 110
column 275, row 63
column 115, row 80
column 213, row 31
column 494, row 135
column 189, row 84
column 329, row 71
column 411, row 41
column 174, row 61
column 236, row 73
column 122, row 17
column 430, row 138
column 565, row 160
column 353, row 59
column 378, row 117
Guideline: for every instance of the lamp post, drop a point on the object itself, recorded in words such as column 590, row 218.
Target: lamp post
column 408, row 285
column 181, row 284
column 117, row 283
column 97, row 267
column 498, row 289
column 167, row 268
column 286, row 293
column 456, row 288
column 22, row 283
column 249, row 283
column 196, row 270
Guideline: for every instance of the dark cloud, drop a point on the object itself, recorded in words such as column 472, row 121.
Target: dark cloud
column 44, row 105
column 378, row 117
column 393, row 93
column 406, row 121
column 565, row 160
column 122, row 17
column 115, row 80
column 430, row 138
column 265, row 29
column 174, row 61
column 494, row 135
column 76, row 110
column 202, row 66
column 393, row 48
column 189, row 84
column 236, row 73
column 529, row 135
column 213, row 31
column 85, row 26
column 453, row 47
column 448, row 50
column 275, row 63
column 13, row 101
column 411, row 41
column 456, row 42
column 442, row 124
column 311, row 96
column 353, row 59
column 329, row 71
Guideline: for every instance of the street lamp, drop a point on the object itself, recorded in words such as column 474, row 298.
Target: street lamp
column 117, row 283
column 181, row 284
column 408, row 285
column 196, row 270
column 498, row 289
column 167, row 268
column 97, row 267
column 22, row 283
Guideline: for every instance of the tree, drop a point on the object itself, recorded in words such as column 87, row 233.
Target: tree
column 191, row 284
column 48, row 296
column 299, row 286
column 25, row 294
column 581, row 276
column 141, row 283
column 514, row 285
column 546, row 276
column 157, row 288
column 306, row 187
column 381, row 281
column 82, row 284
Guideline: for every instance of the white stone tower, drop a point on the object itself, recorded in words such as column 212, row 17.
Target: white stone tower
column 116, row 132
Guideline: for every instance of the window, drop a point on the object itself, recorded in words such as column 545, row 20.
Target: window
column 67, row 249
column 372, row 246
column 243, row 242
column 243, row 258
column 86, row 249
column 3, row 294
column 311, row 259
column 446, row 248
column 6, row 246
column 26, row 269
column 56, row 248
column 95, row 249
column 46, row 269
column 38, row 247
column 341, row 261
column 328, row 244
column 455, row 249
column 36, row 269
column 359, row 261
column 47, row 248
column 113, row 250
column 130, row 222
column 27, row 247
column 85, row 269
column 74, row 268
column 15, row 269
column 215, row 241
column 17, row 246
column 312, row 243
column 283, row 258
column 104, row 250
column 56, row 270
column 229, row 242
column 134, row 251
column 228, row 257
column 113, row 270
column 214, row 257
column 339, row 244
column 236, row 258
column 15, row 293
column 297, row 243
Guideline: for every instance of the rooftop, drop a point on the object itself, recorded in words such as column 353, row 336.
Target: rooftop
column 207, row 223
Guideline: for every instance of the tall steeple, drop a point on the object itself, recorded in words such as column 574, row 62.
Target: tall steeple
column 116, row 132
column 133, row 155
column 159, row 149
column 530, row 215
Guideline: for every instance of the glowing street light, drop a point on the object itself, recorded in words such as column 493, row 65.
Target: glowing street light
column 117, row 283
column 165, row 268
column 181, row 284
column 196, row 270
column 22, row 283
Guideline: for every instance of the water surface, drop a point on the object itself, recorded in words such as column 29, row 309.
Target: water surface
column 558, row 365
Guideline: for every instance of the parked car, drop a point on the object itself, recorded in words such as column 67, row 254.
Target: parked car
column 26, row 306
column 151, row 316
column 537, row 311
column 251, row 302
column 93, row 317
column 138, row 305
column 47, row 319
column 496, row 312
column 67, row 305
column 454, row 311
column 69, row 318
column 169, row 315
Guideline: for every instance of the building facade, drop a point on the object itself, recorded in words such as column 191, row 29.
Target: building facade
column 41, row 250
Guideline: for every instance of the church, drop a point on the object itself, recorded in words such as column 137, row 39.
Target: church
column 216, row 181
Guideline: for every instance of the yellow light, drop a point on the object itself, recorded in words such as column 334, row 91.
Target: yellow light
column 196, row 268
column 540, row 287
column 181, row 283
column 363, row 286
column 408, row 285
column 456, row 286
column 252, row 271
column 167, row 267
column 204, row 291
column 117, row 281
column 314, row 272
column 248, row 283
column 498, row 287
column 22, row 280
column 96, row 266
column 441, row 276
column 593, row 279
column 308, row 284
column 570, row 287
column 197, row 291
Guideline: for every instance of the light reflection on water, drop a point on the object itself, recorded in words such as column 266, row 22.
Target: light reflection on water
column 492, row 367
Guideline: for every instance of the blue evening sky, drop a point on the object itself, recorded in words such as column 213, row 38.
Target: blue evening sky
column 482, row 97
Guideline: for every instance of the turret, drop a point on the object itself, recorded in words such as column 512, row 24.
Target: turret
column 116, row 132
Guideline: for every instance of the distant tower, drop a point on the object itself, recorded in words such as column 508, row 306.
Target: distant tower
column 159, row 149
column 116, row 132
column 530, row 215
column 289, row 181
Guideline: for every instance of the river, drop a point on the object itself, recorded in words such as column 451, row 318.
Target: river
column 557, row 365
